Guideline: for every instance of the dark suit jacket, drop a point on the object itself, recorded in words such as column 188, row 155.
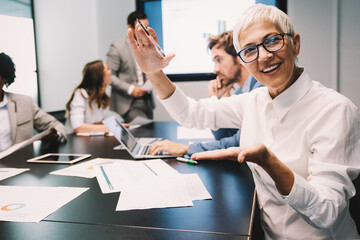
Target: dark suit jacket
column 122, row 63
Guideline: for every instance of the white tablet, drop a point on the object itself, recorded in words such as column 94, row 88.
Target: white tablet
column 61, row 158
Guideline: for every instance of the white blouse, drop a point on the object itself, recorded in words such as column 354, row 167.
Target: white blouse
column 314, row 130
column 80, row 112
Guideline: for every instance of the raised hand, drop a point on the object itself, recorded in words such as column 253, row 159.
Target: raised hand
column 144, row 51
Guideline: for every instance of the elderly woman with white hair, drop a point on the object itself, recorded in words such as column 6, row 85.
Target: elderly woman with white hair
column 300, row 139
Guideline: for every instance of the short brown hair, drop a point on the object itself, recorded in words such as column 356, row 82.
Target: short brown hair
column 224, row 40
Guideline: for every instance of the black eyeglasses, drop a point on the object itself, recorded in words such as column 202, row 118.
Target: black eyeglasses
column 271, row 44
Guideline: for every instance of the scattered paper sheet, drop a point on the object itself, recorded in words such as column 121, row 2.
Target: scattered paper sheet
column 150, row 184
column 95, row 134
column 85, row 169
column 9, row 172
column 22, row 144
column 155, row 192
column 139, row 121
column 196, row 188
column 32, row 204
column 120, row 175
column 193, row 133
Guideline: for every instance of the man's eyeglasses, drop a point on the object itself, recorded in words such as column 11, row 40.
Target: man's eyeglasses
column 271, row 44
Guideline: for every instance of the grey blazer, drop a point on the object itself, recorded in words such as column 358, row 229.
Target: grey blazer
column 25, row 116
column 121, row 61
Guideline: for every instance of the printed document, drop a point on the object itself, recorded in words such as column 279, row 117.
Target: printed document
column 85, row 169
column 32, row 204
column 9, row 172
column 22, row 144
column 150, row 184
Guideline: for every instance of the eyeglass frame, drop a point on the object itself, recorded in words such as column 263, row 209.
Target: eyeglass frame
column 262, row 44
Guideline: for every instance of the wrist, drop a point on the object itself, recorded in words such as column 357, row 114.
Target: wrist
column 155, row 74
column 185, row 149
column 131, row 89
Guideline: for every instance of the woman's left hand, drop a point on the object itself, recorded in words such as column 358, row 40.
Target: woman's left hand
column 255, row 153
column 259, row 154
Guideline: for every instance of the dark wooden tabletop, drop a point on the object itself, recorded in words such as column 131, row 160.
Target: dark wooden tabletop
column 92, row 215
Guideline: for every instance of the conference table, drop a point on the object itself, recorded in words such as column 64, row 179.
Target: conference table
column 229, row 215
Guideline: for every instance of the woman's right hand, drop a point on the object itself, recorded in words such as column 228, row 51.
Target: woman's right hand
column 144, row 51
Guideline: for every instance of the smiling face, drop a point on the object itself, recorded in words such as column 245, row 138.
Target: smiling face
column 276, row 70
column 226, row 67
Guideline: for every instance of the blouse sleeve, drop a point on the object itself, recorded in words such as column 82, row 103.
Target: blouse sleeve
column 206, row 113
column 334, row 163
column 77, row 109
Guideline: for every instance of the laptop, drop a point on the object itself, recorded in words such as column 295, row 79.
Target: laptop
column 130, row 143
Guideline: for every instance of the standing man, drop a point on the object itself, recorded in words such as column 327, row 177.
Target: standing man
column 231, row 78
column 131, row 94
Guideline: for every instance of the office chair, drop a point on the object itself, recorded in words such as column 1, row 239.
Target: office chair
column 355, row 204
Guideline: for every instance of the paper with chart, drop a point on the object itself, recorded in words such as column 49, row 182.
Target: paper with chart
column 10, row 172
column 120, row 175
column 32, row 204
column 85, row 169
column 150, row 184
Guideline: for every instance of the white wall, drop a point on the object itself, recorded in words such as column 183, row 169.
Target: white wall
column 112, row 22
column 349, row 50
column 66, row 34
column 329, row 31
column 69, row 34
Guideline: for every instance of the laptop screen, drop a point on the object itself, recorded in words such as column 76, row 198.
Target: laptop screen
column 120, row 132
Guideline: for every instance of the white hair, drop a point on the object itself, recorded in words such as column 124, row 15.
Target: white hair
column 260, row 12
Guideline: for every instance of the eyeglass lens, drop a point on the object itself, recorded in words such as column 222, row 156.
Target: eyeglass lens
column 271, row 44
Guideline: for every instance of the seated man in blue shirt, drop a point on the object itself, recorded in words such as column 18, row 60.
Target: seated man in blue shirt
column 232, row 78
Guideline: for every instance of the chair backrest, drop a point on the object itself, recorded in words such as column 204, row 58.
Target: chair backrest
column 355, row 204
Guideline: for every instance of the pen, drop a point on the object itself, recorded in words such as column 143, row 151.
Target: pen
column 185, row 160
column 157, row 47
column 106, row 178
column 92, row 134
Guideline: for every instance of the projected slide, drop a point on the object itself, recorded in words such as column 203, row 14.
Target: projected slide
column 187, row 24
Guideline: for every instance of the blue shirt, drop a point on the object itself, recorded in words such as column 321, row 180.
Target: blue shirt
column 225, row 137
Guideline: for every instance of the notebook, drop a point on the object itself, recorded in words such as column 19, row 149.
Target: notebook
column 130, row 143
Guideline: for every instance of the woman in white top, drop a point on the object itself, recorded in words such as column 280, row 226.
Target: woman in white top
column 88, row 105
column 300, row 139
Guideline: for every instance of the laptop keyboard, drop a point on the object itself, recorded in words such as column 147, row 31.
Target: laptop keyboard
column 145, row 150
